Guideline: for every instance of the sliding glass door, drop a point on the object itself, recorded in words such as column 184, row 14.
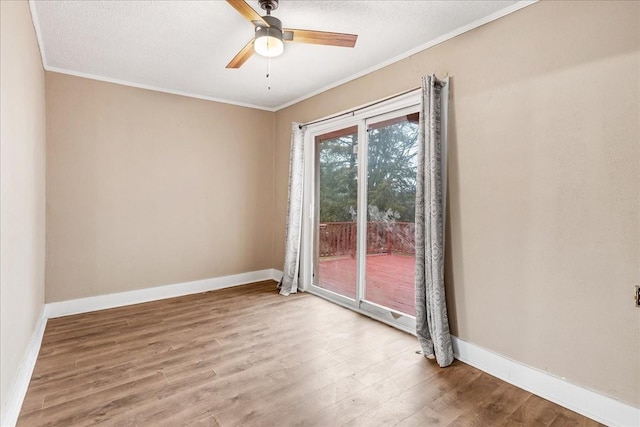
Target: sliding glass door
column 364, row 180
column 336, row 227
column 391, row 202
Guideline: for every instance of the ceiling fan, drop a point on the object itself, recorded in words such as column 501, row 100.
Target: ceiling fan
column 269, row 34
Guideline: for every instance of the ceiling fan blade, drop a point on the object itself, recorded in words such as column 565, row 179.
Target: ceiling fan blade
column 248, row 12
column 242, row 56
column 320, row 37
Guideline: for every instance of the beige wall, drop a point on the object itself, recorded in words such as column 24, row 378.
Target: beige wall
column 147, row 189
column 22, row 188
column 544, row 193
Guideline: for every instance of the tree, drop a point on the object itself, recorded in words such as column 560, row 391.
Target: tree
column 338, row 178
column 391, row 177
column 392, row 168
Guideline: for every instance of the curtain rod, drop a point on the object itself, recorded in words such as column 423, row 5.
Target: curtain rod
column 352, row 112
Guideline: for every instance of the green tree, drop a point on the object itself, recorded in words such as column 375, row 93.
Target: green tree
column 338, row 178
column 392, row 168
column 391, row 177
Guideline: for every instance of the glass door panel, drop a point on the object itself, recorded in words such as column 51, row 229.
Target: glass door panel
column 392, row 146
column 336, row 225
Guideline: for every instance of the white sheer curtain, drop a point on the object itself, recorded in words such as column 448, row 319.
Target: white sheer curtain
column 289, row 282
column 432, row 323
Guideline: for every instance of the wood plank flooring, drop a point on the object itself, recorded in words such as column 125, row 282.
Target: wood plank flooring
column 247, row 356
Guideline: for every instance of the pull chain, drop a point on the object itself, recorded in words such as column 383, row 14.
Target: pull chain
column 268, row 73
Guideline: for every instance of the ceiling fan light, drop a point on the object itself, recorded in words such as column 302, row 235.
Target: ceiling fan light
column 268, row 42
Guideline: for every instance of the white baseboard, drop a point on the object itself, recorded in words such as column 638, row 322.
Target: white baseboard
column 276, row 274
column 102, row 302
column 578, row 399
column 18, row 389
column 583, row 401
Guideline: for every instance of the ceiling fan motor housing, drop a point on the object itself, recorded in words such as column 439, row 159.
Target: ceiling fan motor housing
column 275, row 29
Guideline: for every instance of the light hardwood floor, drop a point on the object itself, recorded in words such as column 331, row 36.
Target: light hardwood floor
column 247, row 356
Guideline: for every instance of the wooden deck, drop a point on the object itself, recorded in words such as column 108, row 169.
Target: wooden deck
column 246, row 356
column 390, row 279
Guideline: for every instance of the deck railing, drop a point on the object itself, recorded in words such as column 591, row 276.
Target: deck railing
column 339, row 238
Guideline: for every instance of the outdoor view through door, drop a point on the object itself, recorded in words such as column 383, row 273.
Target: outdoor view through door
column 337, row 188
column 384, row 277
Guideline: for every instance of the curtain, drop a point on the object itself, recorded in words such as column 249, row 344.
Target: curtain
column 432, row 323
column 289, row 282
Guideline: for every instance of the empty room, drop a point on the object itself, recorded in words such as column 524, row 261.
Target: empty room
column 319, row 213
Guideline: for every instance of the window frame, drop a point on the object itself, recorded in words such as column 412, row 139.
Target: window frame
column 361, row 117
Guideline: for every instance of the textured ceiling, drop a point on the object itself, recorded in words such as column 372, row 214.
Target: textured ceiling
column 183, row 46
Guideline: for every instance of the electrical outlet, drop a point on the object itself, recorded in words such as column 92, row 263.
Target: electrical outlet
column 637, row 296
